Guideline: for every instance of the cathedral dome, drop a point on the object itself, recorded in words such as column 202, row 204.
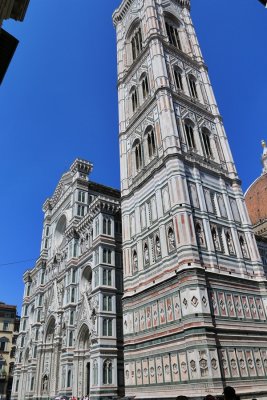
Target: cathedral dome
column 256, row 195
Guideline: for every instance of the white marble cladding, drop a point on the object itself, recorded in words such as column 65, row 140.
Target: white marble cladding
column 186, row 231
column 70, row 332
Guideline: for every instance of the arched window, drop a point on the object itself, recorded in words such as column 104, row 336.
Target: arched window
column 189, row 131
column 37, row 334
column 136, row 43
column 138, row 156
column 145, row 86
column 178, row 78
column 107, row 372
column 173, row 34
column 206, row 142
column 151, row 144
column 134, row 99
column 192, row 86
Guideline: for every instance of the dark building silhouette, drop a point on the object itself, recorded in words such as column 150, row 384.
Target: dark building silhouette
column 15, row 9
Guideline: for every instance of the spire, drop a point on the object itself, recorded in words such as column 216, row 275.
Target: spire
column 264, row 157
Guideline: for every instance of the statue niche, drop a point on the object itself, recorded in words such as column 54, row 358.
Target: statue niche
column 86, row 280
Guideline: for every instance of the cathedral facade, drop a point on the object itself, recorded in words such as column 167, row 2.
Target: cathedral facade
column 70, row 338
column 194, row 304
column 185, row 313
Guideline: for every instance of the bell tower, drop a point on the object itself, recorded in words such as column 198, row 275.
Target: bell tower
column 193, row 279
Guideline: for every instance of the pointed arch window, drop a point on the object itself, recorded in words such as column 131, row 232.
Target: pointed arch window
column 192, row 86
column 134, row 99
column 189, row 131
column 173, row 34
column 206, row 142
column 138, row 156
column 107, row 372
column 151, row 143
column 136, row 43
column 178, row 79
column 145, row 86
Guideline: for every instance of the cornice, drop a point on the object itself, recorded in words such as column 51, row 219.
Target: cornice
column 121, row 12
column 191, row 159
column 104, row 204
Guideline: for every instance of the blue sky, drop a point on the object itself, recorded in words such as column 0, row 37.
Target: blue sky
column 58, row 102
